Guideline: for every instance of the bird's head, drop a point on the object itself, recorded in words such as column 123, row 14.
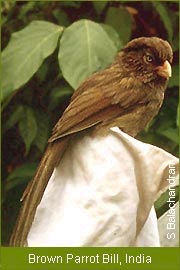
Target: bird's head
column 148, row 59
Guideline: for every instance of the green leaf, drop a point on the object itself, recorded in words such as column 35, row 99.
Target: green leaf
column 113, row 35
column 99, row 6
column 43, row 131
column 71, row 4
column 28, row 127
column 175, row 41
column 61, row 91
column 120, row 19
column 25, row 53
column 170, row 133
column 42, row 71
column 177, row 117
column 61, row 17
column 26, row 8
column 14, row 117
column 58, row 93
column 84, row 49
column 174, row 80
column 163, row 13
column 21, row 175
column 161, row 204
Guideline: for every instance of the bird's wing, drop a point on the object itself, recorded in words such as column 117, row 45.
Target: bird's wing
column 81, row 113
column 104, row 99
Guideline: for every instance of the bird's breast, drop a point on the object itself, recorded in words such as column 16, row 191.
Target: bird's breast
column 135, row 120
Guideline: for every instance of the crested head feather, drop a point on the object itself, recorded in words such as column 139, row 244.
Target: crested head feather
column 161, row 48
column 133, row 59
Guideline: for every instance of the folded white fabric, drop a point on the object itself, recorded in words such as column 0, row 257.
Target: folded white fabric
column 102, row 194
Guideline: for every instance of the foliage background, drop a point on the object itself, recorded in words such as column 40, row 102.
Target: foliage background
column 30, row 111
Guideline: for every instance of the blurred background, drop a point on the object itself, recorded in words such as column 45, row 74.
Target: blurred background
column 30, row 112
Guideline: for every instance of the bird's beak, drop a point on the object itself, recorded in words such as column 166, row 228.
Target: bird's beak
column 165, row 70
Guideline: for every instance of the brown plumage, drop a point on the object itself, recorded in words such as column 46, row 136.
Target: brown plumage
column 128, row 94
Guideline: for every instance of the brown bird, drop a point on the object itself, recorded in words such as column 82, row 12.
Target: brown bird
column 127, row 94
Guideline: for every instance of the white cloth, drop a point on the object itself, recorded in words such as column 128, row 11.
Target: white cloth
column 102, row 194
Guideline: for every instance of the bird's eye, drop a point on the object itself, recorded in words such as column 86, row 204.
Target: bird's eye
column 148, row 58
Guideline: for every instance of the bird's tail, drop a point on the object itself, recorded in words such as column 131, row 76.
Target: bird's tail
column 35, row 190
